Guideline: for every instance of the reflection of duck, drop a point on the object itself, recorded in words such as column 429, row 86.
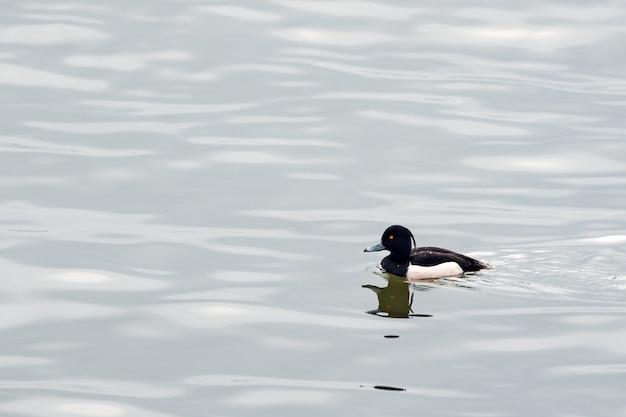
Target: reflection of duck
column 394, row 300
column 421, row 263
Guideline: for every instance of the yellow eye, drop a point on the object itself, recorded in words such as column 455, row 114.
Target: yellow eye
column 390, row 237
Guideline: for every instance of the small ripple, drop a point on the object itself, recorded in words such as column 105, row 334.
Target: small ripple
column 295, row 343
column 581, row 341
column 257, row 157
column 96, row 386
column 242, row 13
column 88, row 8
column 590, row 181
column 262, row 119
column 33, row 180
column 398, row 97
column 28, row 77
column 39, row 311
column 456, row 126
column 611, row 239
column 324, row 53
column 525, row 117
column 513, row 191
column 571, row 162
column 223, row 72
column 8, row 361
column 239, row 294
column 114, row 127
column 279, row 397
column 185, row 76
column 259, row 68
column 313, row 176
column 294, row 84
column 117, row 174
column 247, row 276
column 352, row 9
column 586, row 12
column 66, row 17
column 263, row 142
column 21, row 144
column 332, row 37
column 533, row 38
column 586, row 370
column 49, row 34
column 145, row 108
column 79, row 406
column 125, row 62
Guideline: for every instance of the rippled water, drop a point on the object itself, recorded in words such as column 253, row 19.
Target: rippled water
column 187, row 188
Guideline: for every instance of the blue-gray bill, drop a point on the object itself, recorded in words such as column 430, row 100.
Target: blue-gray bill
column 375, row 248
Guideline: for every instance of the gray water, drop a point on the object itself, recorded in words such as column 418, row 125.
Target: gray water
column 187, row 188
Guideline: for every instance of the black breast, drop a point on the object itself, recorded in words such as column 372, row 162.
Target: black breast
column 393, row 267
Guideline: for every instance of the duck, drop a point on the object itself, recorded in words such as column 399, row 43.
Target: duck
column 428, row 262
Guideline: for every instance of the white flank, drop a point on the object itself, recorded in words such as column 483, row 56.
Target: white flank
column 446, row 269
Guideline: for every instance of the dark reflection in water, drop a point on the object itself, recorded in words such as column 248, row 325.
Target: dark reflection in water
column 395, row 300
column 384, row 387
column 389, row 388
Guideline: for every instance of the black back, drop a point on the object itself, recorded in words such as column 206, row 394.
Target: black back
column 430, row 256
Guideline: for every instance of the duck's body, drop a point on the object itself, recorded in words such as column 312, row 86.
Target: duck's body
column 424, row 262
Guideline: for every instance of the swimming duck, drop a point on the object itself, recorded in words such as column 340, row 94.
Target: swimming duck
column 421, row 263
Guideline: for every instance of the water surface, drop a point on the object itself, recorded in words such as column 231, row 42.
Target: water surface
column 187, row 188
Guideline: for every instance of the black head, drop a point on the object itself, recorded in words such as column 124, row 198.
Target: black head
column 398, row 239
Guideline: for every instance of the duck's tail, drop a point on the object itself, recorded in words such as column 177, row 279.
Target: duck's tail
column 485, row 265
column 474, row 265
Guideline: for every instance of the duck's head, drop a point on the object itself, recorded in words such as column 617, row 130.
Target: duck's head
column 396, row 239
